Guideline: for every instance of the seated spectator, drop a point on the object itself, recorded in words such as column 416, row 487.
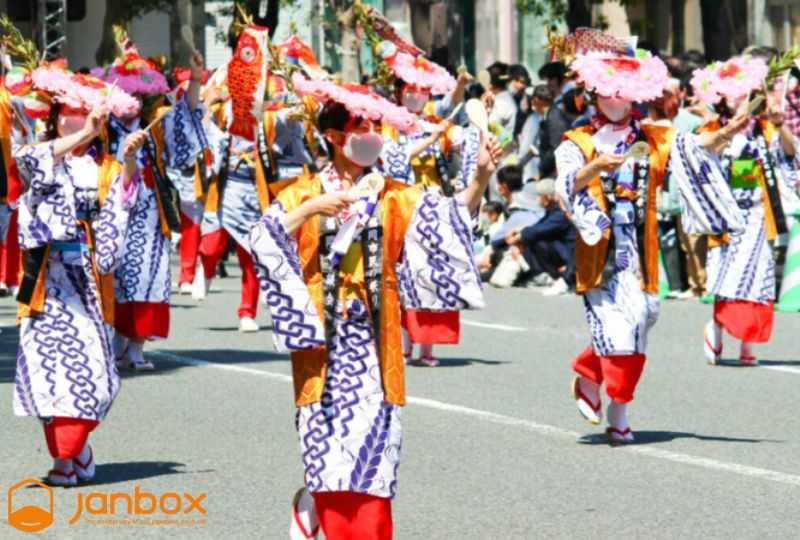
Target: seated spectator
column 506, row 266
column 509, row 181
column 491, row 220
column 548, row 246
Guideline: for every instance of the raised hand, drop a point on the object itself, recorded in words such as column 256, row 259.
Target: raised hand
column 95, row 122
column 132, row 144
column 489, row 154
column 196, row 62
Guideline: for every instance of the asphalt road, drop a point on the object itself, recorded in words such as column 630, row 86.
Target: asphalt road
column 494, row 447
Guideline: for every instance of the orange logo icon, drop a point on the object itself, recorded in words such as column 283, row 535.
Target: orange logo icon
column 30, row 517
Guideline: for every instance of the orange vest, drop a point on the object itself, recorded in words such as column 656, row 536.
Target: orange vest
column 591, row 260
column 5, row 136
column 308, row 367
column 108, row 170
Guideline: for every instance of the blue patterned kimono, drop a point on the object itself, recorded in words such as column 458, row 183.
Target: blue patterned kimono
column 144, row 274
column 239, row 208
column 619, row 313
column 744, row 269
column 65, row 366
column 350, row 439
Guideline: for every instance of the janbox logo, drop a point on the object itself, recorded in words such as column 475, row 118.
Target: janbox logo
column 142, row 503
column 30, row 517
column 100, row 508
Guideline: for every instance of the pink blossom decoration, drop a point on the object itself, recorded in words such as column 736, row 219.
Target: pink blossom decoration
column 144, row 81
column 83, row 91
column 641, row 78
column 731, row 80
column 422, row 73
column 358, row 100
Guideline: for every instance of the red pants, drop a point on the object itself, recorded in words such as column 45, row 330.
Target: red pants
column 747, row 321
column 142, row 320
column 9, row 256
column 620, row 373
column 432, row 327
column 354, row 516
column 66, row 437
column 190, row 249
column 212, row 248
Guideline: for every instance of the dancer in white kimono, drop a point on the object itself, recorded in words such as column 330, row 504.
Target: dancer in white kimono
column 759, row 163
column 608, row 175
column 143, row 281
column 424, row 158
column 73, row 222
column 335, row 266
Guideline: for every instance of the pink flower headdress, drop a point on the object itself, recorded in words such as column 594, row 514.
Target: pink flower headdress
column 642, row 77
column 82, row 91
column 358, row 100
column 731, row 80
column 417, row 70
column 610, row 66
column 131, row 72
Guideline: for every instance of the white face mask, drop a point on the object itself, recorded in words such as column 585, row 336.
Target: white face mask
column 70, row 123
column 415, row 101
column 363, row 149
column 615, row 109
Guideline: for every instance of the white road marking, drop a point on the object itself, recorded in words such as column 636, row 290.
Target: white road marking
column 503, row 327
column 784, row 369
column 529, row 425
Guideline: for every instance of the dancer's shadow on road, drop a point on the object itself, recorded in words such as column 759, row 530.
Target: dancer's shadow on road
column 170, row 360
column 460, row 362
column 734, row 363
column 114, row 473
column 234, row 328
column 655, row 437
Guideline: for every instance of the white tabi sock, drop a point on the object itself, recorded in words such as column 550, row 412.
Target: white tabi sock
column 63, row 465
column 716, row 334
column 617, row 415
column 136, row 352
column 119, row 344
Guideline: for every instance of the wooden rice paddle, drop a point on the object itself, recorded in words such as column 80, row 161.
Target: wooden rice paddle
column 371, row 185
column 477, row 114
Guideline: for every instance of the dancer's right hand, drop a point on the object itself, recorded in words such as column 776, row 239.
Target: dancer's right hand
column 608, row 163
column 332, row 204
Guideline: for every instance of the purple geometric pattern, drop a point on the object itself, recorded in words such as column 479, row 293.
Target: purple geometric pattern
column 443, row 273
column 470, row 147
column 59, row 344
column 277, row 265
column 350, row 440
